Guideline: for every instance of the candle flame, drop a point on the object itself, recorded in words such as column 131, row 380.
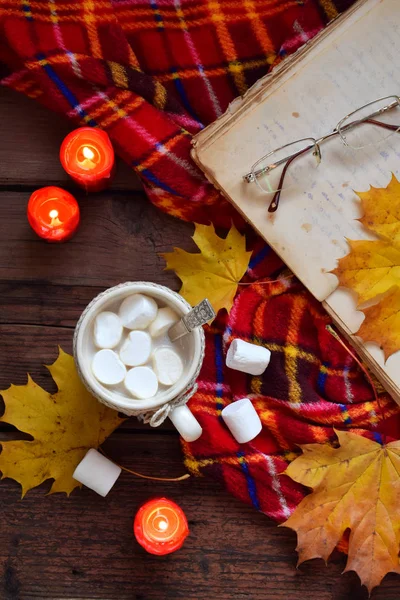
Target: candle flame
column 53, row 214
column 87, row 153
column 162, row 525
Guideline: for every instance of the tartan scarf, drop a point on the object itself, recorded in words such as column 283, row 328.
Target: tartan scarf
column 153, row 73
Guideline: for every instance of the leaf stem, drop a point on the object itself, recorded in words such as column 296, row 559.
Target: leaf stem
column 182, row 478
column 267, row 282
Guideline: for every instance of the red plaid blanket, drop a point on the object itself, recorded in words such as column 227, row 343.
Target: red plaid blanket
column 152, row 73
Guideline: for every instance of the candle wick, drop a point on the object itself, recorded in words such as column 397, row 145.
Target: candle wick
column 55, row 221
column 182, row 478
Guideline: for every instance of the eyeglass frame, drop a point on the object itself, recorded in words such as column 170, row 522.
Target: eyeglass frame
column 252, row 176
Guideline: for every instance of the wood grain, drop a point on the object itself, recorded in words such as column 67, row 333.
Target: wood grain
column 82, row 547
column 120, row 238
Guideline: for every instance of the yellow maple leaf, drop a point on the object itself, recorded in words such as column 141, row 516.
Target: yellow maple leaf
column 63, row 426
column 371, row 268
column 215, row 272
column 382, row 322
column 356, row 487
column 382, row 210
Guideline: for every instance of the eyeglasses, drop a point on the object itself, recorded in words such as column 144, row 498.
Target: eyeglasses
column 290, row 164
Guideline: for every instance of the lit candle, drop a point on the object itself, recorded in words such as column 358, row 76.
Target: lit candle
column 88, row 157
column 161, row 526
column 53, row 214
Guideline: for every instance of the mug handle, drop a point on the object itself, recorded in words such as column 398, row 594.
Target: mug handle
column 186, row 423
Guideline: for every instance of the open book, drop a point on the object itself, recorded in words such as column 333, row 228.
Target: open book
column 354, row 61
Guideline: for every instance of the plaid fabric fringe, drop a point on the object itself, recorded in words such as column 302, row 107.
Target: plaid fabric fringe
column 153, row 73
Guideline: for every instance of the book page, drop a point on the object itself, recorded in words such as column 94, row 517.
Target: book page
column 357, row 65
column 352, row 64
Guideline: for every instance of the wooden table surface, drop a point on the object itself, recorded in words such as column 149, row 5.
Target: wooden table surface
column 82, row 547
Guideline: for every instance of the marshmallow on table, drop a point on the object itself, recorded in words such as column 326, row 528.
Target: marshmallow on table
column 247, row 358
column 165, row 318
column 136, row 349
column 138, row 311
column 97, row 472
column 242, row 420
column 107, row 330
column 167, row 365
column 108, row 368
column 141, row 382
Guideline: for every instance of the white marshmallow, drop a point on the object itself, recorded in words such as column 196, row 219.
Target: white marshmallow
column 242, row 420
column 138, row 311
column 167, row 365
column 247, row 358
column 107, row 367
column 165, row 318
column 97, row 472
column 107, row 330
column 186, row 423
column 136, row 349
column 141, row 382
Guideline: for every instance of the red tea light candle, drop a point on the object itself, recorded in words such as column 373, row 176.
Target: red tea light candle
column 161, row 526
column 88, row 157
column 53, row 214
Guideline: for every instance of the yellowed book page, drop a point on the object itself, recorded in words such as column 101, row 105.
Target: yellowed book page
column 355, row 65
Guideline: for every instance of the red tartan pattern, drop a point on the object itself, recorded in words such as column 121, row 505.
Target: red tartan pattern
column 310, row 387
column 152, row 73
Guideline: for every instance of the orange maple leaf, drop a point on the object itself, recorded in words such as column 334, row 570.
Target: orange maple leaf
column 356, row 487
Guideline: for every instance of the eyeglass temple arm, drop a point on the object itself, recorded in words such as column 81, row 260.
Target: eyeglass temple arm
column 275, row 200
column 384, row 125
column 277, row 196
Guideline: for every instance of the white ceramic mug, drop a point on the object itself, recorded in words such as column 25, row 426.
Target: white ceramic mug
column 192, row 346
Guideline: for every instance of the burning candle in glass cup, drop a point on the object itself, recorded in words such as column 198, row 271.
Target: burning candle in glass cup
column 160, row 526
column 53, row 214
column 88, row 157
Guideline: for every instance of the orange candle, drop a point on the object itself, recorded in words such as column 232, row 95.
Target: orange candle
column 88, row 157
column 53, row 214
column 160, row 526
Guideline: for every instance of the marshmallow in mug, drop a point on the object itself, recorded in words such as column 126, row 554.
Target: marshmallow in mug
column 152, row 355
column 248, row 358
column 138, row 311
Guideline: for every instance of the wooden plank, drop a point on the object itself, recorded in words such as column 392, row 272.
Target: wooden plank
column 27, row 348
column 31, row 139
column 49, row 284
column 83, row 548
column 120, row 238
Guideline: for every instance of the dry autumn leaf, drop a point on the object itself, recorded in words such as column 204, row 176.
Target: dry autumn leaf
column 356, row 487
column 382, row 322
column 215, row 272
column 372, row 268
column 382, row 210
column 63, row 426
